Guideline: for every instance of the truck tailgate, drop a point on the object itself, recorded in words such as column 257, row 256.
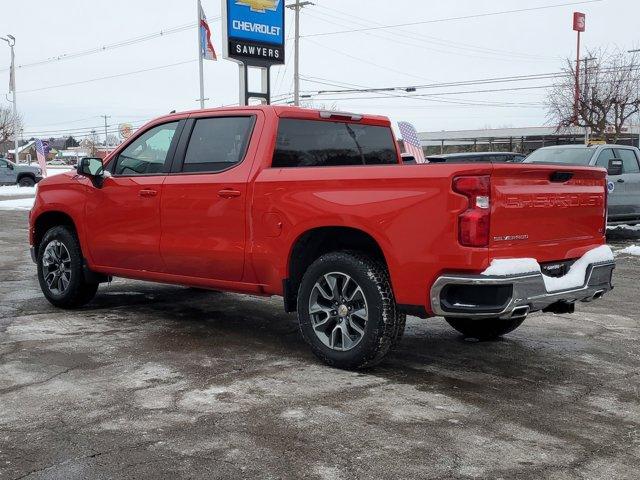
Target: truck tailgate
column 548, row 212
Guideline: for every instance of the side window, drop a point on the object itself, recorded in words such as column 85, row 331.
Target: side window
column 629, row 161
column 313, row 143
column 3, row 164
column 604, row 157
column 217, row 144
column 147, row 154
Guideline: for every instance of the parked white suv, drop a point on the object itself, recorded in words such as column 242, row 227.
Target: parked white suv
column 23, row 175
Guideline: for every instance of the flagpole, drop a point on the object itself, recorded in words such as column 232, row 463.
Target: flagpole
column 199, row 32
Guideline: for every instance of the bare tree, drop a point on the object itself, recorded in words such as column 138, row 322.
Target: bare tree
column 609, row 93
column 112, row 140
column 8, row 125
column 91, row 143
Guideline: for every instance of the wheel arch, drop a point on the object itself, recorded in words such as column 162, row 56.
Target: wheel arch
column 315, row 242
column 48, row 219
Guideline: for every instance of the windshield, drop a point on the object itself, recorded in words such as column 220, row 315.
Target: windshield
column 569, row 156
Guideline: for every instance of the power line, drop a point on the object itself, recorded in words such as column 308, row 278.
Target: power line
column 117, row 75
column 430, row 39
column 464, row 17
column 369, row 62
column 111, row 46
column 401, row 38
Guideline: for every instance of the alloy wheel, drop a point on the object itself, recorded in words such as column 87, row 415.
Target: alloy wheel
column 338, row 311
column 56, row 267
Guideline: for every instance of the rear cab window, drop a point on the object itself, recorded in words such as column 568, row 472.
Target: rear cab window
column 316, row 143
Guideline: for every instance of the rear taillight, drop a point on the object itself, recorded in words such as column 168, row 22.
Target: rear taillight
column 606, row 206
column 473, row 223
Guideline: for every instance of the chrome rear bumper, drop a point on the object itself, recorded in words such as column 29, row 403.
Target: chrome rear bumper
column 512, row 296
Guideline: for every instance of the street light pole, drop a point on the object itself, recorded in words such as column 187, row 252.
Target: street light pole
column 11, row 41
column 637, row 50
column 106, row 144
column 296, row 55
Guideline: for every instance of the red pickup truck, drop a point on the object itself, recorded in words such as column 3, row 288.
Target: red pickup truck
column 317, row 207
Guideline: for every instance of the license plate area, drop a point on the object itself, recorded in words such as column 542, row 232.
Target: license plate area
column 556, row 269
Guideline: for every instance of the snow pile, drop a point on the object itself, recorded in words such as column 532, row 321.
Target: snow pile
column 512, row 266
column 15, row 190
column 17, row 204
column 574, row 278
column 632, row 250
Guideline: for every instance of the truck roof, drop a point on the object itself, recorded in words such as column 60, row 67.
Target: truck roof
column 286, row 111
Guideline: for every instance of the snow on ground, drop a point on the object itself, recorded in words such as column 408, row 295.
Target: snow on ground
column 572, row 279
column 15, row 190
column 623, row 227
column 17, row 204
column 631, row 250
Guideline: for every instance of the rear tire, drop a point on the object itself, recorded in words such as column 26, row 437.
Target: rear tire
column 60, row 271
column 487, row 329
column 347, row 311
column 26, row 182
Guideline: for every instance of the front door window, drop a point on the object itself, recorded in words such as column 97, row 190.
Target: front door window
column 147, row 154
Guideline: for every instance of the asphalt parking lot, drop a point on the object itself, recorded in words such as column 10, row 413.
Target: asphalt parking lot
column 152, row 381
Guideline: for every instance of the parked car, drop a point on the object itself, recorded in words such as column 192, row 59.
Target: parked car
column 475, row 157
column 23, row 175
column 317, row 207
column 623, row 183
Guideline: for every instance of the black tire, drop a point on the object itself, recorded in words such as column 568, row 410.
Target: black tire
column 402, row 324
column 384, row 325
column 78, row 292
column 26, row 182
column 487, row 329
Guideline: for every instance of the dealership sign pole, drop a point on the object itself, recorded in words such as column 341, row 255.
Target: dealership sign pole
column 253, row 36
column 578, row 26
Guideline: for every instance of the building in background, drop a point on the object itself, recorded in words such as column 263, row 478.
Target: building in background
column 521, row 140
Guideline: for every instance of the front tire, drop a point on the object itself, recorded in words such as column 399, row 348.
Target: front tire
column 347, row 311
column 487, row 329
column 60, row 271
column 26, row 182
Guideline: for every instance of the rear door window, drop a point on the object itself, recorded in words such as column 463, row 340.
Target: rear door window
column 217, row 144
column 311, row 143
column 629, row 161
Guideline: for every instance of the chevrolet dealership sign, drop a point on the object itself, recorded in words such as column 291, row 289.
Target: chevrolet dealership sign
column 253, row 31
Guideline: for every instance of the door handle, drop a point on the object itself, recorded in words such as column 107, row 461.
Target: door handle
column 228, row 193
column 147, row 193
column 621, row 180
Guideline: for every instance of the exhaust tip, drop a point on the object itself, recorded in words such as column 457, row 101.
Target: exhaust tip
column 520, row 312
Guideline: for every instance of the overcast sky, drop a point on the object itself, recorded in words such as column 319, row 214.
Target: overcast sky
column 441, row 51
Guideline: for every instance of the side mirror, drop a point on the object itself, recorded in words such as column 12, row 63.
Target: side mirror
column 93, row 168
column 615, row 167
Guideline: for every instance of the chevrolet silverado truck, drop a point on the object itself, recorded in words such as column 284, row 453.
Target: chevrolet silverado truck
column 317, row 207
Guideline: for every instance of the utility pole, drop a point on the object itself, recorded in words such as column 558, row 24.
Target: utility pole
column 637, row 50
column 585, row 93
column 105, row 129
column 11, row 41
column 579, row 27
column 296, row 56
